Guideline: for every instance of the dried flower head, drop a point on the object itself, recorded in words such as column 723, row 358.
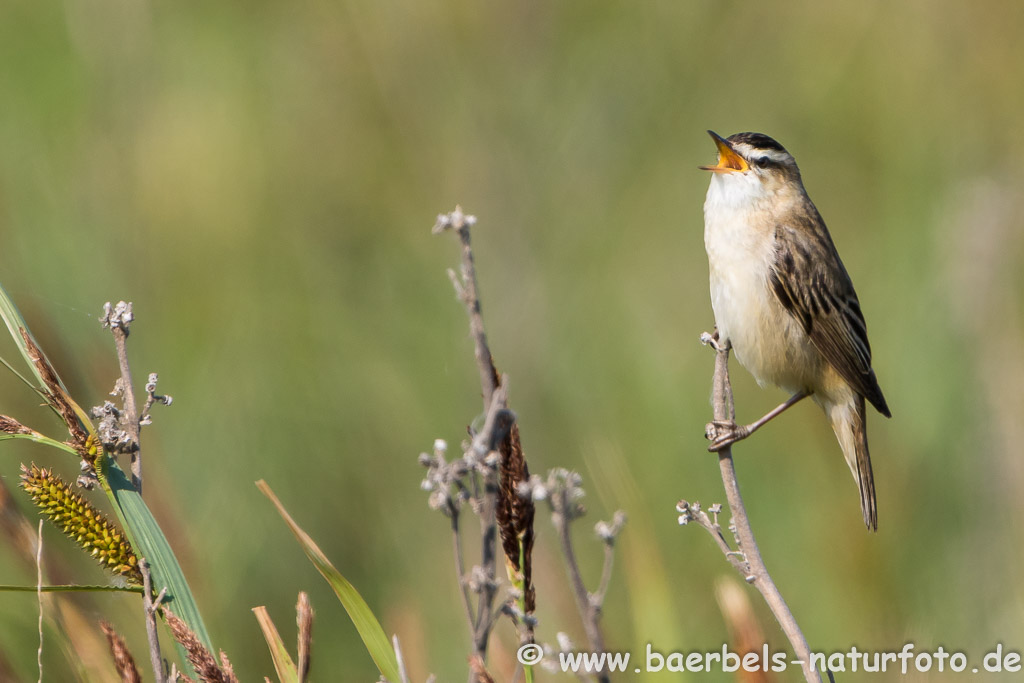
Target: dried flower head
column 563, row 490
column 123, row 660
column 8, row 425
column 444, row 480
column 608, row 531
column 199, row 657
column 685, row 513
column 84, row 524
column 515, row 514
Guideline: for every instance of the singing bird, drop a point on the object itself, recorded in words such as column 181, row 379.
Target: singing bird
column 783, row 299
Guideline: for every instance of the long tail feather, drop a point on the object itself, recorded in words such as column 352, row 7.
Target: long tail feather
column 865, row 477
column 849, row 422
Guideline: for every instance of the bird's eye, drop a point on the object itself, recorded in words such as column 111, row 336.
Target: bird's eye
column 763, row 161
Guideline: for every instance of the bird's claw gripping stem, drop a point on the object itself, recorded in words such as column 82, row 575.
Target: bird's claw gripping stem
column 724, row 433
column 712, row 340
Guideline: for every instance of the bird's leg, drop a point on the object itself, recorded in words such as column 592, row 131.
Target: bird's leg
column 722, row 434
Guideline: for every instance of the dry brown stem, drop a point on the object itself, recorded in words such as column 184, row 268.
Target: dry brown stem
column 747, row 557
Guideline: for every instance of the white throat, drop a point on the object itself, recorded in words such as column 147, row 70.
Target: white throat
column 733, row 192
column 740, row 245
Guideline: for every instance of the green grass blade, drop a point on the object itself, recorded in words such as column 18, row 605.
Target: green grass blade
column 20, row 376
column 370, row 630
column 16, row 325
column 149, row 542
column 69, row 588
column 40, row 438
column 286, row 670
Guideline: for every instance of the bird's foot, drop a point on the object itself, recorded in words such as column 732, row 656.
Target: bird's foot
column 712, row 340
column 724, row 433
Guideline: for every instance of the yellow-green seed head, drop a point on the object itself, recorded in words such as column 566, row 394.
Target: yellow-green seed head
column 79, row 520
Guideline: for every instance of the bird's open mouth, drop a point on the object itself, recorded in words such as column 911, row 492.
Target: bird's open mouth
column 728, row 160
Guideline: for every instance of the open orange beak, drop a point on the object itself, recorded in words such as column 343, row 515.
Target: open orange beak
column 728, row 160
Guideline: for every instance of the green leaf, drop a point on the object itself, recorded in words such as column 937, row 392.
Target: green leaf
column 15, row 323
column 370, row 630
column 69, row 588
column 19, row 331
column 286, row 671
column 40, row 438
column 149, row 542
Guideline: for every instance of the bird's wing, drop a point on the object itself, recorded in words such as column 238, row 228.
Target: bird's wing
column 811, row 283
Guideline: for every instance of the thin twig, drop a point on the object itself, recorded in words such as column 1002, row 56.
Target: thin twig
column 403, row 675
column 757, row 572
column 692, row 512
column 495, row 427
column 498, row 421
column 150, row 606
column 468, row 293
column 118, row 319
column 588, row 609
column 606, row 575
column 151, row 398
column 120, row 341
column 460, row 566
column 488, row 540
column 607, row 532
column 39, row 591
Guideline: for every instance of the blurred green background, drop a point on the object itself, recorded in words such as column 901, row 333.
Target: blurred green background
column 260, row 179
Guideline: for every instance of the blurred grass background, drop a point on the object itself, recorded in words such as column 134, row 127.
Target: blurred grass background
column 260, row 179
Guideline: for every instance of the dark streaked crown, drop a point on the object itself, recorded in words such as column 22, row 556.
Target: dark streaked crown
column 757, row 141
